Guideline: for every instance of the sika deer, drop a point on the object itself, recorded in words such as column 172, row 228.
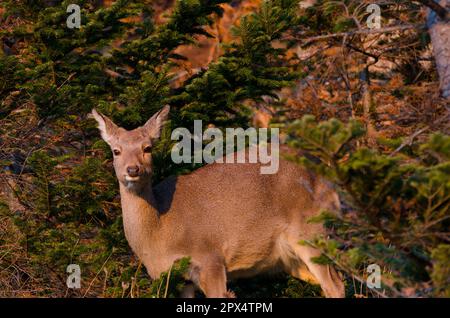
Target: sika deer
column 229, row 219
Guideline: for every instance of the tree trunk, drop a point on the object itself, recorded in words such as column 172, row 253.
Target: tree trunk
column 439, row 30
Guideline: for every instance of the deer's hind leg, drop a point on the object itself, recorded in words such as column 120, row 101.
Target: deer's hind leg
column 325, row 275
column 298, row 269
column 210, row 276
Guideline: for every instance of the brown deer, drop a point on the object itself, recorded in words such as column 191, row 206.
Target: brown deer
column 231, row 220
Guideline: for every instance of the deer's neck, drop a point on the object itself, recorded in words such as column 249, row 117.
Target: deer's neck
column 140, row 219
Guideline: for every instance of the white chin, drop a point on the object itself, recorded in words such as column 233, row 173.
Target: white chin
column 131, row 179
column 132, row 185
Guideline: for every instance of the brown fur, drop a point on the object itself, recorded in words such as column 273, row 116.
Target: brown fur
column 229, row 219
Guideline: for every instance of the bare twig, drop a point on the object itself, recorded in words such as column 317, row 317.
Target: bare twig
column 442, row 12
column 409, row 140
column 168, row 280
column 96, row 275
column 364, row 32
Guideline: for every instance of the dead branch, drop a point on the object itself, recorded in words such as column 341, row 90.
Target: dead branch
column 436, row 7
column 364, row 32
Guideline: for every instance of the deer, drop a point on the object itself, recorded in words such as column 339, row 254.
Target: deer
column 229, row 219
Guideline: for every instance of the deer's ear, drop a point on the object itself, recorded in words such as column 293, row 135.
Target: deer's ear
column 107, row 128
column 155, row 124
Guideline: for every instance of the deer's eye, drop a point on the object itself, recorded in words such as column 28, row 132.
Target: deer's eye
column 116, row 152
column 147, row 149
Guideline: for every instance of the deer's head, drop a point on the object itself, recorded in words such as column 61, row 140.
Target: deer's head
column 132, row 149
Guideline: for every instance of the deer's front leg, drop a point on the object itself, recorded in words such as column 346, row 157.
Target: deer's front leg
column 188, row 291
column 212, row 279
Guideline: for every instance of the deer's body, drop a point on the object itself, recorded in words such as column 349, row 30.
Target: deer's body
column 230, row 220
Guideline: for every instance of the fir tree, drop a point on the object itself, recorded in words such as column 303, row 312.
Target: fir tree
column 120, row 62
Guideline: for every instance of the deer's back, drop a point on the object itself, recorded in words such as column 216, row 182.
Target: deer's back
column 237, row 211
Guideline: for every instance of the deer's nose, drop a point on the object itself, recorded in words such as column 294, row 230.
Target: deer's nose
column 133, row 171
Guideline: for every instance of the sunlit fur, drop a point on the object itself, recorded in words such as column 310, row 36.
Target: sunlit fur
column 229, row 219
